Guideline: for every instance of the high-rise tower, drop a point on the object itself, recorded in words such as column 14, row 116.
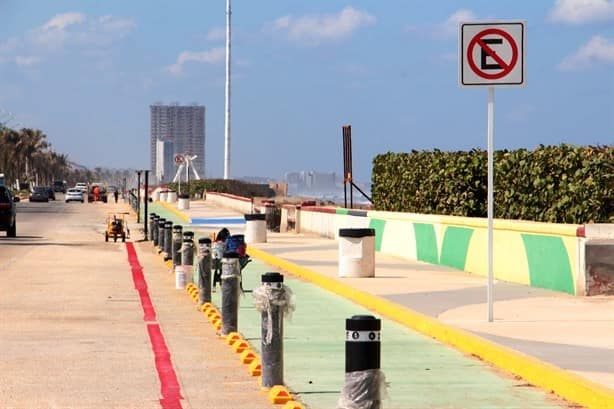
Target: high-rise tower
column 184, row 127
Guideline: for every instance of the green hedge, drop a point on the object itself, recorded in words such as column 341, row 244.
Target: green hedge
column 557, row 184
column 233, row 187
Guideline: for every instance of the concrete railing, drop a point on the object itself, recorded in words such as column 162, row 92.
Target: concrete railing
column 238, row 203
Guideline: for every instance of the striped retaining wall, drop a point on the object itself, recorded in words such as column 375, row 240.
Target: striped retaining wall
column 537, row 254
column 544, row 255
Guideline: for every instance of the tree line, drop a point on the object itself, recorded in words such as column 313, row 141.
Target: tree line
column 27, row 157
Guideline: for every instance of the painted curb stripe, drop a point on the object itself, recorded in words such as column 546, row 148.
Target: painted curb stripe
column 544, row 375
column 169, row 385
column 172, row 209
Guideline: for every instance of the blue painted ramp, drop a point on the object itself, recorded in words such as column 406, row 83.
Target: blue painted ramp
column 218, row 221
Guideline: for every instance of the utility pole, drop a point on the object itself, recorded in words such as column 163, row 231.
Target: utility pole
column 138, row 197
column 227, row 131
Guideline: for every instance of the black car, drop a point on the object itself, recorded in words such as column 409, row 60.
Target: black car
column 39, row 194
column 50, row 192
column 8, row 221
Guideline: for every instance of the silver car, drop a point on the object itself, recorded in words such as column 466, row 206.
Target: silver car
column 74, row 195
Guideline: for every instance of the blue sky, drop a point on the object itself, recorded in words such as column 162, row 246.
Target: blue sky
column 85, row 72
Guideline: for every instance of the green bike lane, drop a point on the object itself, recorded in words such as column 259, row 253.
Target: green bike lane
column 420, row 371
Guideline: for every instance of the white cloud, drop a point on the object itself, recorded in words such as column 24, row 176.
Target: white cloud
column 216, row 34
column 212, row 56
column 61, row 21
column 28, row 61
column 597, row 50
column 450, row 27
column 581, row 11
column 77, row 28
column 314, row 29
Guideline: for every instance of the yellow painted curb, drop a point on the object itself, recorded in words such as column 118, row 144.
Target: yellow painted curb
column 546, row 376
column 172, row 209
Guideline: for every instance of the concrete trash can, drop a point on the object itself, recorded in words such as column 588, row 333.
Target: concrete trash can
column 183, row 202
column 255, row 228
column 357, row 252
column 163, row 195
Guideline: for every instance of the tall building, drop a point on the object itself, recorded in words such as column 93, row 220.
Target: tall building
column 184, row 127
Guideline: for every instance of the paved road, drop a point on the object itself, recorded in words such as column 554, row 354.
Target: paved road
column 73, row 333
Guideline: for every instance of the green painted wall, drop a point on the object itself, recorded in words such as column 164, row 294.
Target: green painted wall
column 455, row 246
column 426, row 243
column 379, row 226
column 549, row 265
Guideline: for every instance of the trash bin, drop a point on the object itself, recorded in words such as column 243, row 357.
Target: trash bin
column 183, row 202
column 357, row 252
column 171, row 197
column 255, row 228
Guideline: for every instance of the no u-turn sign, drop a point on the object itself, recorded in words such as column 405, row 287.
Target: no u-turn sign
column 492, row 54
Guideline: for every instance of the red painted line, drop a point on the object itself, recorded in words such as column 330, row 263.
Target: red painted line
column 171, row 391
column 169, row 384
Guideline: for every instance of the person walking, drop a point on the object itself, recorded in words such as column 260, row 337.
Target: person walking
column 115, row 195
column 96, row 193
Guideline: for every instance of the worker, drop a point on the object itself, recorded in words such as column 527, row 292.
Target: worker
column 96, row 193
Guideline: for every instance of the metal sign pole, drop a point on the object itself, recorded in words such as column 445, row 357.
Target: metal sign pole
column 491, row 138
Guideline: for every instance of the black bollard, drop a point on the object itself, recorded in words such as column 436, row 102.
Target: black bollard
column 177, row 241
column 272, row 330
column 151, row 222
column 204, row 270
column 363, row 378
column 154, row 229
column 231, row 274
column 187, row 255
column 168, row 240
column 161, row 224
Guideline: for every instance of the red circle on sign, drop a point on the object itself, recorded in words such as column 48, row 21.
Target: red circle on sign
column 507, row 67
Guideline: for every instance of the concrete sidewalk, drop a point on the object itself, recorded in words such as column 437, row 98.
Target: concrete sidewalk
column 541, row 329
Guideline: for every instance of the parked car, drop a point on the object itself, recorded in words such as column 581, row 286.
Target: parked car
column 82, row 186
column 39, row 194
column 59, row 186
column 8, row 218
column 74, row 195
column 50, row 192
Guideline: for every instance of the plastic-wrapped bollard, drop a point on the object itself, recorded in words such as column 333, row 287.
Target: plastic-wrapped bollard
column 274, row 300
column 187, row 256
column 231, row 274
column 364, row 381
column 204, row 270
column 177, row 242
